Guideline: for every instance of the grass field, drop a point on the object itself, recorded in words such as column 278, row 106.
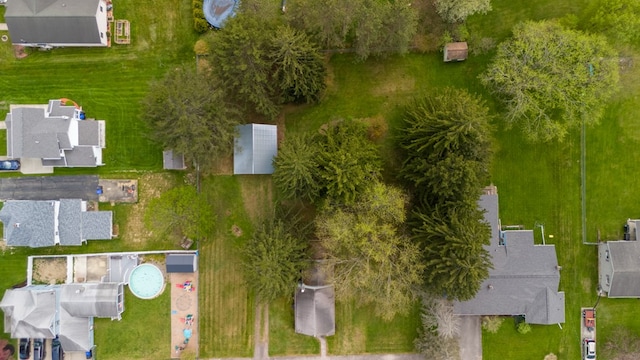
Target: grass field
column 537, row 183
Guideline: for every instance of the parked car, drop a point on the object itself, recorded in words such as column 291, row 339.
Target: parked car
column 589, row 349
column 56, row 349
column 589, row 316
column 10, row 165
column 25, row 349
column 38, row 349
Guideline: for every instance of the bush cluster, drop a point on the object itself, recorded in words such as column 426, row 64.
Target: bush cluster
column 200, row 24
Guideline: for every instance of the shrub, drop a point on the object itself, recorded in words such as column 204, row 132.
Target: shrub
column 197, row 4
column 524, row 328
column 200, row 25
column 492, row 324
column 201, row 47
column 198, row 13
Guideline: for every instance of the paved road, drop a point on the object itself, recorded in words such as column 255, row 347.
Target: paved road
column 49, row 188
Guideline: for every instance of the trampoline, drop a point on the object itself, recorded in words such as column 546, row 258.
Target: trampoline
column 217, row 11
column 146, row 281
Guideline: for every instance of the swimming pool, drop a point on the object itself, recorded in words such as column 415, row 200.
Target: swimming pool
column 146, row 281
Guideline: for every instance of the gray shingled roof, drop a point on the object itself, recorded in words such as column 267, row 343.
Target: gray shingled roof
column 29, row 313
column 54, row 21
column 28, row 223
column 255, row 147
column 92, row 299
column 69, row 222
column 33, row 222
column 524, row 279
column 97, row 225
column 89, row 133
column 181, row 263
column 315, row 311
column 76, row 333
column 32, row 133
column 622, row 267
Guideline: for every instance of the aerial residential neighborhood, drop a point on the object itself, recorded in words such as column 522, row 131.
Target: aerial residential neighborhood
column 300, row 179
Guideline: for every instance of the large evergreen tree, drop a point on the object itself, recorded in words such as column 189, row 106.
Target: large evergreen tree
column 190, row 114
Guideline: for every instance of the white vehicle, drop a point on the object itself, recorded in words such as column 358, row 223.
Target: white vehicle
column 589, row 349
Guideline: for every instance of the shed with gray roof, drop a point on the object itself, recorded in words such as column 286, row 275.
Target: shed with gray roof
column 524, row 279
column 37, row 223
column 619, row 268
column 172, row 160
column 315, row 313
column 181, row 263
column 256, row 145
column 51, row 23
column 56, row 134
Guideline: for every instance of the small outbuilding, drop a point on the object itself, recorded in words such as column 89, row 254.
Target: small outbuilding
column 255, row 147
column 182, row 263
column 315, row 313
column 172, row 160
column 457, row 51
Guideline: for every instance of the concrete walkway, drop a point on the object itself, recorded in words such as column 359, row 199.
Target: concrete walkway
column 3, row 27
column 470, row 338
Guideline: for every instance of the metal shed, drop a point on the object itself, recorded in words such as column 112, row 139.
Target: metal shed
column 315, row 313
column 172, row 160
column 255, row 147
column 182, row 263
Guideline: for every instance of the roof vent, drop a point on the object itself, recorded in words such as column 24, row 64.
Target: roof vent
column 16, row 225
column 490, row 287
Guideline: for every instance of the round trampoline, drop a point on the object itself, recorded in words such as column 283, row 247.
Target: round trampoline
column 217, row 11
column 146, row 281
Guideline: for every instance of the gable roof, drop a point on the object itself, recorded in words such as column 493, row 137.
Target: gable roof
column 315, row 311
column 56, row 21
column 92, row 299
column 29, row 313
column 524, row 279
column 39, row 223
column 255, row 147
column 172, row 160
column 29, row 223
column 181, row 263
column 619, row 268
column 55, row 134
column 455, row 51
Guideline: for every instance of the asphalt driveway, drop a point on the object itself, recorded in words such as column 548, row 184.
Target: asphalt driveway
column 49, row 188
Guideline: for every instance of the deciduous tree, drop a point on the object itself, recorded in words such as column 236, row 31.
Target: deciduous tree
column 458, row 10
column 180, row 210
column 619, row 20
column 552, row 79
column 368, row 256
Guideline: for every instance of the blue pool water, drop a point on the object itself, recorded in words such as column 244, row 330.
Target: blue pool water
column 146, row 281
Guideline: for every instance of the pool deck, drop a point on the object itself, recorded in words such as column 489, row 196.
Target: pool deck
column 183, row 303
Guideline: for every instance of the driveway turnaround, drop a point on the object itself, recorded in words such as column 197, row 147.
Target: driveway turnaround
column 49, row 188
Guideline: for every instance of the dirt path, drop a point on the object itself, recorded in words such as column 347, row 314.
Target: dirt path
column 261, row 332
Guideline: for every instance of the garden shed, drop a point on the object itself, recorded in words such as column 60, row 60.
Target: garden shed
column 255, row 147
column 172, row 160
column 457, row 51
column 182, row 263
column 315, row 313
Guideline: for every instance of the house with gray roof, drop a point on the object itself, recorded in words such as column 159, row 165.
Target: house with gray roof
column 55, row 134
column 256, row 145
column 54, row 23
column 66, row 311
column 525, row 276
column 619, row 268
column 40, row 223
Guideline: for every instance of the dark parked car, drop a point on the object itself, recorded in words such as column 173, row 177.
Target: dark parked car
column 10, row 165
column 38, row 349
column 25, row 348
column 56, row 350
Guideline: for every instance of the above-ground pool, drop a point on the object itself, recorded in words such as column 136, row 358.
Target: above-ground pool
column 146, row 281
column 217, row 11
